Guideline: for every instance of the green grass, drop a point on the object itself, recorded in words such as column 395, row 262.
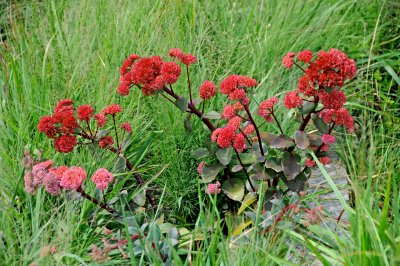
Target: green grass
column 58, row 49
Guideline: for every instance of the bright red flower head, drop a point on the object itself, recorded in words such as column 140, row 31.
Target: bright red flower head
column 332, row 100
column 85, row 112
column 310, row 162
column 249, row 130
column 112, row 109
column 287, row 60
column 123, row 88
column 226, row 137
column 65, row 143
column 238, row 94
column 340, row 117
column 239, row 142
column 128, row 63
column 175, row 52
column 187, row 59
column 46, row 126
column 170, row 72
column 147, row 73
column 324, row 160
column 235, row 122
column 234, row 82
column 292, row 100
column 265, row 108
column 305, row 56
column 306, row 86
column 101, row 119
column 328, row 139
column 207, row 90
column 69, row 124
column 63, row 109
column 228, row 112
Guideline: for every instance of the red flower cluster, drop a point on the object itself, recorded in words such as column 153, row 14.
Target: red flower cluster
column 128, row 63
column 287, row 60
column 228, row 112
column 126, row 127
column 207, row 90
column 106, row 141
column 266, row 108
column 292, row 100
column 235, row 86
column 340, row 117
column 186, row 59
column 63, row 127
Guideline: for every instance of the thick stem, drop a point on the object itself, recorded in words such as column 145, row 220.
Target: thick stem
column 246, row 107
column 104, row 205
column 244, row 169
column 299, row 67
column 193, row 110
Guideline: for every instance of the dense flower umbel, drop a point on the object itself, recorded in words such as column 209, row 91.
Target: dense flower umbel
column 213, row 188
column 265, row 108
column 235, row 86
column 65, row 129
column 102, row 178
column 73, row 177
column 207, row 90
column 287, row 60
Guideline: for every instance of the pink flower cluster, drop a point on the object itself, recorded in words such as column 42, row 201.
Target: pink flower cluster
column 266, row 108
column 54, row 179
column 236, row 86
column 213, row 188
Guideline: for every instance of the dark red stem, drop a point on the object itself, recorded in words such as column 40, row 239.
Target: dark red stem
column 246, row 107
column 244, row 169
column 104, row 205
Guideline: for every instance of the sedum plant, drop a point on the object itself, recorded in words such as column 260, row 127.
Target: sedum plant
column 241, row 153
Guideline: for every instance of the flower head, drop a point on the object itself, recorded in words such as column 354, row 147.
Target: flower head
column 305, row 56
column 332, row 100
column 187, row 59
column 170, row 72
column 226, row 137
column 126, row 127
column 239, row 142
column 73, row 177
column 128, row 63
column 228, row 112
column 46, row 126
column 39, row 171
column 200, row 167
column 106, row 141
column 265, row 108
column 213, row 188
column 65, row 143
column 292, row 100
column 328, row 139
column 85, row 112
column 175, row 52
column 207, row 90
column 102, row 178
column 101, row 120
column 287, row 60
column 112, row 109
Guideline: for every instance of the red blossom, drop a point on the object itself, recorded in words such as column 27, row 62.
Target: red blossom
column 207, row 90
column 306, row 86
column 128, row 63
column 146, row 72
column 126, row 127
column 228, row 112
column 170, row 72
column 112, row 109
column 292, row 100
column 249, row 130
column 175, row 52
column 328, row 139
column 214, row 134
column 187, row 59
column 65, row 143
column 123, row 88
column 324, row 160
column 340, row 117
column 238, row 94
column 200, row 167
column 46, row 126
column 234, row 82
column 305, row 56
column 235, row 122
column 213, row 188
column 85, row 112
column 225, row 137
column 69, row 124
column 265, row 108
column 64, row 108
column 239, row 142
column 287, row 60
column 106, row 141
column 59, row 171
column 238, row 106
column 332, row 100
column 310, row 162
column 101, row 119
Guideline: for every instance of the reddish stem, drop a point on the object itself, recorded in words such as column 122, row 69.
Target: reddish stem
column 276, row 120
column 189, row 85
column 244, row 169
column 104, row 205
column 246, row 107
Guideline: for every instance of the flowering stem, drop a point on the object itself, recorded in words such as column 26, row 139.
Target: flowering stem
column 299, row 67
column 248, row 140
column 244, row 169
column 193, row 110
column 88, row 126
column 256, row 128
column 104, row 205
column 202, row 107
column 168, row 99
column 276, row 120
column 116, row 132
column 189, row 85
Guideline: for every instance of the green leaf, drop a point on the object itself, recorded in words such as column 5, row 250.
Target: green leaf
column 140, row 197
column 209, row 172
column 200, row 153
column 224, row 155
column 307, row 107
column 315, row 139
column 236, row 168
column 281, row 141
column 290, row 165
column 274, row 164
column 301, row 139
column 212, row 115
column 319, row 123
column 297, row 184
column 101, row 134
column 120, row 164
column 257, row 151
column 127, row 141
column 233, row 188
column 247, row 201
column 182, row 103
column 187, row 124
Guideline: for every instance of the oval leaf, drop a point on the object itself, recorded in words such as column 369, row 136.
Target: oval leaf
column 209, row 172
column 290, row 165
column 297, row 184
column 101, row 134
column 301, row 139
column 274, row 164
column 281, row 141
column 236, row 168
column 307, row 107
column 247, row 201
column 233, row 188
column 212, row 115
column 120, row 164
column 200, row 153
column 224, row 155
column 319, row 123
column 182, row 103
